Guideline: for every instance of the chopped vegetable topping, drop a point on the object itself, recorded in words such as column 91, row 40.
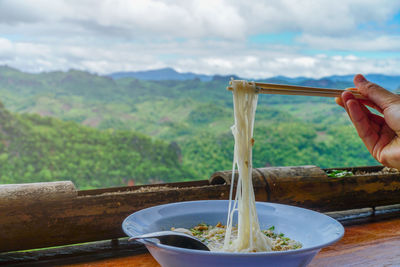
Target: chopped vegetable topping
column 213, row 237
column 339, row 173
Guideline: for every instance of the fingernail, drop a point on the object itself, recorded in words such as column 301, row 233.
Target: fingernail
column 360, row 78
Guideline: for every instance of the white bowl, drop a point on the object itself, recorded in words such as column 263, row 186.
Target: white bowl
column 314, row 230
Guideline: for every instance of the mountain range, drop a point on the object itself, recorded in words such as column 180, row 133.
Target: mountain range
column 387, row 81
column 161, row 74
column 102, row 131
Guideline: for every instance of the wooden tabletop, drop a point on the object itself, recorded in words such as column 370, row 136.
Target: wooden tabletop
column 371, row 244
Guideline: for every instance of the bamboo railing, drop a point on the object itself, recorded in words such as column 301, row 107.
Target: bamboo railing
column 53, row 214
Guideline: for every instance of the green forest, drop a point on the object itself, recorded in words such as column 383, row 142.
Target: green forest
column 100, row 132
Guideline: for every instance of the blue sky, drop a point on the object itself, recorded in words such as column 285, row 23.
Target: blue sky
column 253, row 39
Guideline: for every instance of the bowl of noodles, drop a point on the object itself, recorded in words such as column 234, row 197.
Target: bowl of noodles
column 255, row 233
column 296, row 234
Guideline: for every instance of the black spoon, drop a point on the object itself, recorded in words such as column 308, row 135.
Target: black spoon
column 175, row 239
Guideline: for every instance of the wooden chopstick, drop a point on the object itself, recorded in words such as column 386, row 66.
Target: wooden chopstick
column 283, row 89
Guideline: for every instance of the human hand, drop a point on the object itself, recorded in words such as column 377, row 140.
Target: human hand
column 379, row 134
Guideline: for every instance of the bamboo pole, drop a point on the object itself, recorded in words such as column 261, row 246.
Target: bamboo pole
column 310, row 187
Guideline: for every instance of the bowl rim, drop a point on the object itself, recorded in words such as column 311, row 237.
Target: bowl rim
column 239, row 254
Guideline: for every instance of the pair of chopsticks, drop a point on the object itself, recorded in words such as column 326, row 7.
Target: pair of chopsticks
column 283, row 89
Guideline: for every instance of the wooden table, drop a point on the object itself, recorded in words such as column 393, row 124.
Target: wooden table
column 369, row 244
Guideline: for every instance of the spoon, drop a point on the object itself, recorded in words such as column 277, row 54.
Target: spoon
column 175, row 239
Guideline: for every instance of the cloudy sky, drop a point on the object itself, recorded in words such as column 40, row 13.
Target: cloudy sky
column 249, row 38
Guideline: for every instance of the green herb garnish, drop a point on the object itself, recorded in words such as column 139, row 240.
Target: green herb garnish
column 339, row 173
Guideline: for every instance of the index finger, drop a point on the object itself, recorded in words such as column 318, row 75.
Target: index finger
column 361, row 121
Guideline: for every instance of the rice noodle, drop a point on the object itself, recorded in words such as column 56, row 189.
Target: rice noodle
column 249, row 237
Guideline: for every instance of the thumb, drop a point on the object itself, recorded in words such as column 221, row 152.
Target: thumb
column 380, row 96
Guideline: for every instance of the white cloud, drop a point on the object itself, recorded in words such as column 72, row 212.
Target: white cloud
column 6, row 49
column 200, row 36
column 188, row 19
column 133, row 19
column 292, row 65
column 221, row 60
column 323, row 17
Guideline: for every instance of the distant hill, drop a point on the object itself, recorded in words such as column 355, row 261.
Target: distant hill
column 159, row 75
column 41, row 149
column 389, row 82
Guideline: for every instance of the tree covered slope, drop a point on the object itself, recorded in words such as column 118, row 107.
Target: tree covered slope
column 39, row 149
column 101, row 132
